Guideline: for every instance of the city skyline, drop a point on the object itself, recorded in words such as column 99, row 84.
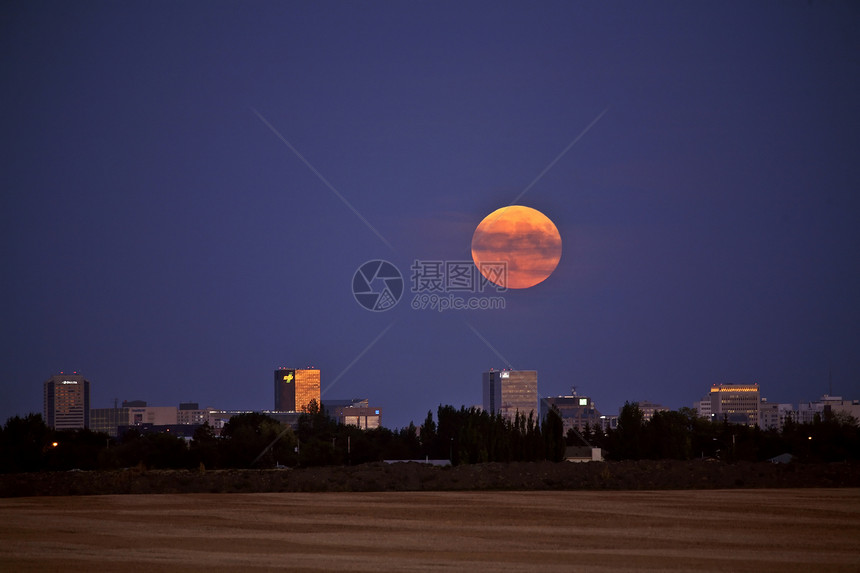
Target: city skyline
column 195, row 195
column 505, row 393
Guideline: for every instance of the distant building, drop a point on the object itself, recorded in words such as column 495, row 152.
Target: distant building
column 576, row 411
column 153, row 415
column 825, row 406
column 354, row 412
column 703, row 407
column 66, row 402
column 735, row 403
column 290, row 419
column 329, row 404
column 190, row 413
column 295, row 388
column 772, row 415
column 648, row 409
column 507, row 392
column 136, row 413
column 218, row 418
column 836, row 405
column 608, row 423
column 184, row 431
column 107, row 420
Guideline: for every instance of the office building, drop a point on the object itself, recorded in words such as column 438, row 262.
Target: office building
column 152, row 415
column 190, row 413
column 703, row 407
column 66, row 402
column 295, row 388
column 649, row 408
column 735, row 403
column 772, row 416
column 576, row 411
column 836, row 405
column 107, row 420
column 608, row 423
column 356, row 412
column 507, row 392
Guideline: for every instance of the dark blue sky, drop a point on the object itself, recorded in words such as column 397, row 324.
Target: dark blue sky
column 159, row 237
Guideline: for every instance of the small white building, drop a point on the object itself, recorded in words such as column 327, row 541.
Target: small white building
column 582, row 454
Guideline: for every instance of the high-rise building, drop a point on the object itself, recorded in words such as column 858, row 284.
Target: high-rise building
column 507, row 392
column 67, row 402
column 735, row 403
column 295, row 388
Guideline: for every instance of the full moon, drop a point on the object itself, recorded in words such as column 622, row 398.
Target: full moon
column 521, row 237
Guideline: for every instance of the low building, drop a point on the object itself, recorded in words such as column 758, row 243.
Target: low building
column 191, row 413
column 184, row 431
column 772, row 416
column 837, row 406
column 703, row 407
column 355, row 412
column 608, row 423
column 582, row 454
column 155, row 415
column 648, row 409
column 107, row 420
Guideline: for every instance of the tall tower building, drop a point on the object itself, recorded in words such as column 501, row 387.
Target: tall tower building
column 67, row 402
column 735, row 403
column 507, row 392
column 295, row 388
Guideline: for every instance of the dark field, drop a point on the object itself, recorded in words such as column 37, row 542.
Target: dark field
column 696, row 530
column 630, row 475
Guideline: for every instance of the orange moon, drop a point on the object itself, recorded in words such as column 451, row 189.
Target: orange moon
column 523, row 238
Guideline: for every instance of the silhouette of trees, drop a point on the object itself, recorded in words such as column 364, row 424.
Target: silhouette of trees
column 626, row 441
column 247, row 436
column 553, row 430
column 464, row 435
column 23, row 444
column 76, row 449
column 469, row 435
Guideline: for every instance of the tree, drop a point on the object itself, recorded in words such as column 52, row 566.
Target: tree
column 204, row 447
column 23, row 443
column 626, row 440
column 553, row 430
column 427, row 435
column 669, row 436
column 245, row 436
column 76, row 449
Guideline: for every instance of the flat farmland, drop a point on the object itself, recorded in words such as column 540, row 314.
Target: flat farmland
column 702, row 530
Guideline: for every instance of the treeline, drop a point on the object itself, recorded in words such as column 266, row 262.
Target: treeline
column 469, row 436
column 683, row 435
column 464, row 436
column 256, row 440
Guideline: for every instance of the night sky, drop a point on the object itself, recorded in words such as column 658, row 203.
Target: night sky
column 188, row 189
